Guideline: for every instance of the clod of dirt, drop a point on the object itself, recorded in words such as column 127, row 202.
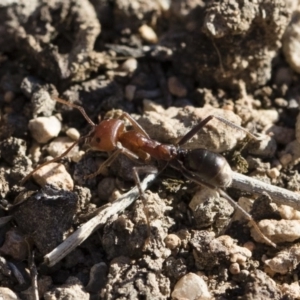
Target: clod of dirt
column 54, row 174
column 15, row 245
column 278, row 231
column 73, row 289
column 12, row 151
column 292, row 290
column 60, row 145
column 209, row 209
column 41, row 102
column 266, row 147
column 131, row 281
column 285, row 261
column 175, row 268
column 210, row 49
column 128, row 234
column 98, row 276
column 52, row 19
column 46, row 216
column 282, row 135
column 169, row 125
column 210, row 252
column 191, row 286
column 261, row 286
column 43, row 129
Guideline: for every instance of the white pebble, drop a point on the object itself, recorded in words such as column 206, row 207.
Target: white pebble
column 55, row 174
column 172, row 241
column 129, row 65
column 44, row 129
column 273, row 173
column 192, row 287
column 234, row 268
column 7, row 294
column 148, row 34
column 288, row 212
column 73, row 134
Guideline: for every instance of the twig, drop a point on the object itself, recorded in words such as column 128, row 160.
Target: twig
column 93, row 224
column 34, row 275
column 255, row 186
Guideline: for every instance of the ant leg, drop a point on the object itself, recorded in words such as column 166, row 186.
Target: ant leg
column 248, row 217
column 202, row 123
column 193, row 177
column 51, row 161
column 80, row 108
column 136, row 172
column 137, row 127
column 110, row 159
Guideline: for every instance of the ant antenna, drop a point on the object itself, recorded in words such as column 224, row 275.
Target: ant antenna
column 81, row 109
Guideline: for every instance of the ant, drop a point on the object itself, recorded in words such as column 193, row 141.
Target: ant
column 199, row 165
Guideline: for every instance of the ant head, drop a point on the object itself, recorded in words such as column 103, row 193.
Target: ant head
column 105, row 135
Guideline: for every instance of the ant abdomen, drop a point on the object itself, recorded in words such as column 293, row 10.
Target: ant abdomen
column 209, row 168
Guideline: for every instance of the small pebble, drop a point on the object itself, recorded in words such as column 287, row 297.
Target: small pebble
column 192, row 287
column 249, row 245
column 234, row 268
column 286, row 159
column 176, row 88
column 130, row 92
column 148, row 34
column 288, row 212
column 15, row 245
column 281, row 102
column 9, row 96
column 44, row 129
column 172, row 241
column 7, row 294
column 55, row 174
column 129, row 65
column 273, row 173
column 73, row 134
column 77, row 156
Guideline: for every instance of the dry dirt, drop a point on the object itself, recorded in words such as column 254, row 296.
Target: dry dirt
column 169, row 64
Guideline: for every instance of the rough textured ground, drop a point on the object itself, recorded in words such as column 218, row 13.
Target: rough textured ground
column 169, row 64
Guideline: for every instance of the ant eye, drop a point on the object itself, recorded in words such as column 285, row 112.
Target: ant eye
column 98, row 140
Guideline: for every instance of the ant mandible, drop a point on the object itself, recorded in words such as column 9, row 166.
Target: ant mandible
column 198, row 165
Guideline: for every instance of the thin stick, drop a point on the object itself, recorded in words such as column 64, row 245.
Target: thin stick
column 34, row 276
column 255, row 186
column 93, row 224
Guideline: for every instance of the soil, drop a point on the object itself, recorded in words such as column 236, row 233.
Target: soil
column 168, row 64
